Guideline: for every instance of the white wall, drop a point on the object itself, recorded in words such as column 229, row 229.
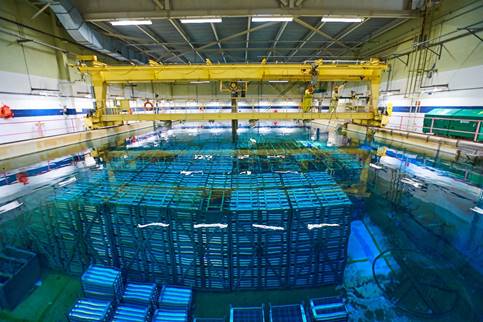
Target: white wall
column 40, row 113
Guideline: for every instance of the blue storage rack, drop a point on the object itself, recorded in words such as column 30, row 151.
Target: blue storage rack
column 259, row 231
column 65, row 208
column 157, row 239
column 218, row 181
column 88, row 310
column 103, row 283
column 247, row 314
column 287, row 313
column 140, row 215
column 171, row 314
column 125, row 213
column 291, row 180
column 96, row 225
column 329, row 309
column 177, row 296
column 144, row 294
column 131, row 313
column 209, row 268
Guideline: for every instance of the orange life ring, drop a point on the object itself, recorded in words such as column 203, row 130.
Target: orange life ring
column 22, row 178
column 6, row 112
column 148, row 103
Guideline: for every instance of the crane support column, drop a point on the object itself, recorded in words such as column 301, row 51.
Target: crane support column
column 100, row 93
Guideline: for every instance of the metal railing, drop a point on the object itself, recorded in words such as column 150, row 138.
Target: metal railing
column 416, row 123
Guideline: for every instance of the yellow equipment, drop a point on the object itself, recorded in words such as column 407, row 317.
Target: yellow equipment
column 102, row 75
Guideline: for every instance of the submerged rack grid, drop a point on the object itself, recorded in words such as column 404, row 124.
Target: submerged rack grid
column 284, row 313
column 144, row 294
column 329, row 309
column 102, row 283
column 91, row 310
column 247, row 314
column 251, row 219
column 131, row 313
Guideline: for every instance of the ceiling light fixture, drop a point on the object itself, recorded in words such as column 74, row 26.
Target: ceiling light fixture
column 199, row 82
column 131, row 22
column 434, row 88
column 270, row 18
column 201, row 20
column 341, row 19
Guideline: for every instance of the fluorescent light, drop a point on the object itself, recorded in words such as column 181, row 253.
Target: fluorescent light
column 131, row 22
column 10, row 206
column 153, row 224
column 434, row 88
column 278, row 81
column 201, row 20
column 390, row 92
column 199, row 82
column 478, row 210
column 270, row 18
column 67, row 182
column 375, row 166
column 411, row 182
column 222, row 226
column 334, row 19
column 316, row 226
column 267, row 227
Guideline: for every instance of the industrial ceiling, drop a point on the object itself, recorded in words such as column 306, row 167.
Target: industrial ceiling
column 237, row 38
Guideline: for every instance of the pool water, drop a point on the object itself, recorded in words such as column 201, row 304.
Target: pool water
column 414, row 244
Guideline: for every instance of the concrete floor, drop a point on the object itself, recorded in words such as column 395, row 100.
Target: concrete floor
column 48, row 302
column 57, row 293
column 216, row 305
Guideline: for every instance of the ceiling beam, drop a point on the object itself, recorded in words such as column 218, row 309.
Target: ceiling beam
column 277, row 38
column 379, row 32
column 237, row 49
column 112, row 33
column 239, row 34
column 299, row 12
column 252, row 41
column 155, row 39
column 320, row 32
column 213, row 28
column 247, row 42
column 347, row 31
column 44, row 7
column 183, row 34
column 341, row 35
column 307, row 37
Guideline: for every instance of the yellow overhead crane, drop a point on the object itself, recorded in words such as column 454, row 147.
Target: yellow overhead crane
column 102, row 75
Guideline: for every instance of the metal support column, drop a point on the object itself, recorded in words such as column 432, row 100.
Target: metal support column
column 234, row 109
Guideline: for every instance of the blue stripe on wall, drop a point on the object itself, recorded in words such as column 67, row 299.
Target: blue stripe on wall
column 72, row 111
column 46, row 112
column 12, row 178
column 426, row 109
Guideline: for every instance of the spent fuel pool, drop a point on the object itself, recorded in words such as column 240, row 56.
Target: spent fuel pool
column 287, row 210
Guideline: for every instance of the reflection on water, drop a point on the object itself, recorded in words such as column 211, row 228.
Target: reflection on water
column 416, row 240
